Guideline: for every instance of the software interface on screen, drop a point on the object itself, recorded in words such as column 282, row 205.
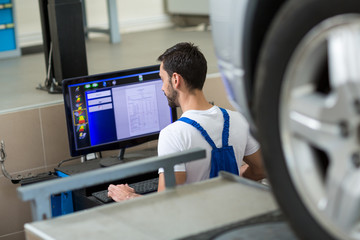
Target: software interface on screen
column 115, row 109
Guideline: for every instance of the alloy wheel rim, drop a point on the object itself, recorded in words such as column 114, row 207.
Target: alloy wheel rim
column 320, row 123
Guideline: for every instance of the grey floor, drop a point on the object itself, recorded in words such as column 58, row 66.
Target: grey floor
column 20, row 76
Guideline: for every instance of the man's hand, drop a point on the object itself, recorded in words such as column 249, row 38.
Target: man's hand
column 243, row 169
column 121, row 192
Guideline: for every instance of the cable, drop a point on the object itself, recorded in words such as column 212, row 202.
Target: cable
column 50, row 85
column 2, row 151
column 2, row 161
column 67, row 160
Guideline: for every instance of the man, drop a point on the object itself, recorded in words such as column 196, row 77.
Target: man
column 183, row 72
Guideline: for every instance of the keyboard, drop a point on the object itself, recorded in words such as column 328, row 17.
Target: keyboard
column 142, row 187
column 38, row 178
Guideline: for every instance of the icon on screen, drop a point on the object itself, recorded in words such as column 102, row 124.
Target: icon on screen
column 81, row 128
column 78, row 112
column 79, row 106
column 81, row 119
column 78, row 99
column 82, row 135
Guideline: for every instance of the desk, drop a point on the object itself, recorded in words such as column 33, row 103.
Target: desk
column 82, row 198
column 95, row 163
column 39, row 193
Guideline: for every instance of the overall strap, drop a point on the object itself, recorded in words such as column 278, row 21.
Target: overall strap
column 200, row 128
column 225, row 133
column 222, row 159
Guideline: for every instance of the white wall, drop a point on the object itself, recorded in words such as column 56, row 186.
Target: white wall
column 133, row 15
column 188, row 7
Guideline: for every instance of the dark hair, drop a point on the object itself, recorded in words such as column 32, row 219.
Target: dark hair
column 186, row 60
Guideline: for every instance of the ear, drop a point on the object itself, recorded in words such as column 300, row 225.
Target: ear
column 177, row 79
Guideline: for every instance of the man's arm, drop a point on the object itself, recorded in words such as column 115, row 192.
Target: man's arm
column 180, row 178
column 123, row 192
column 254, row 168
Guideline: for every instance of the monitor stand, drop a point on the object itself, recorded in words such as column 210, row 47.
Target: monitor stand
column 122, row 158
column 111, row 161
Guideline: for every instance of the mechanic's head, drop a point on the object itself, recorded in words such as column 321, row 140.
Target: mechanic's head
column 187, row 60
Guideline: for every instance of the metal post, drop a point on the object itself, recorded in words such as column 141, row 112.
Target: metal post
column 113, row 22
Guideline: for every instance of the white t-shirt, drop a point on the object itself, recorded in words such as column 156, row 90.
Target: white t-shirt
column 180, row 136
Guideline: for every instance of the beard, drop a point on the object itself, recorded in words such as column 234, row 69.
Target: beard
column 172, row 97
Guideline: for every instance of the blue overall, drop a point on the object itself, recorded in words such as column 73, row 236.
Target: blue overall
column 222, row 159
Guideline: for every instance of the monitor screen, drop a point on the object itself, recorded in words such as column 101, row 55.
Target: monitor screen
column 115, row 110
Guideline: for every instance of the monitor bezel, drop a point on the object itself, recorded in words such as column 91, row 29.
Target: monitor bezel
column 107, row 146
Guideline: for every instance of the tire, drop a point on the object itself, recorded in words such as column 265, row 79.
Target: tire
column 307, row 110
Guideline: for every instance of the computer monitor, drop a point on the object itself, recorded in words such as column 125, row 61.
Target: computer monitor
column 115, row 110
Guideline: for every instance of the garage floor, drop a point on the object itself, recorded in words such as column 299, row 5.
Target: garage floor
column 20, row 76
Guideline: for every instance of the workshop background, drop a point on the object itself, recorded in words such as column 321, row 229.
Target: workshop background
column 32, row 122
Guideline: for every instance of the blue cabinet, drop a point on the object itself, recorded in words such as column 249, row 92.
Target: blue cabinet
column 62, row 203
column 8, row 41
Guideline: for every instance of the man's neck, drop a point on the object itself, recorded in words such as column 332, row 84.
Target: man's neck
column 194, row 101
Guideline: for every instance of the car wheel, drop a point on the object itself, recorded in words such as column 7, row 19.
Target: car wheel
column 307, row 110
